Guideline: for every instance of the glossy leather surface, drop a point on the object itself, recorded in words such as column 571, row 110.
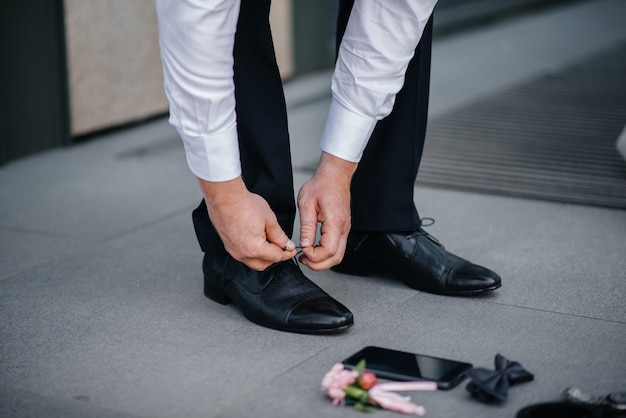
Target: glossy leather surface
column 418, row 260
column 280, row 297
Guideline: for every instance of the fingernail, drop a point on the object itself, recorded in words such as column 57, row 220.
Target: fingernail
column 305, row 242
column 290, row 246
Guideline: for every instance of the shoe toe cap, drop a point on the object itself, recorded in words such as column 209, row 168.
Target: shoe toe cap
column 321, row 313
column 472, row 277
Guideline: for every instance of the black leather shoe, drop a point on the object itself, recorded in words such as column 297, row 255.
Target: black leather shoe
column 417, row 259
column 281, row 297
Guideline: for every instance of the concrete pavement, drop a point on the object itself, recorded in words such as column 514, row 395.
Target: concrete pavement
column 101, row 305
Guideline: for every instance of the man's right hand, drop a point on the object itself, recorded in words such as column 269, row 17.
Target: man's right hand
column 246, row 224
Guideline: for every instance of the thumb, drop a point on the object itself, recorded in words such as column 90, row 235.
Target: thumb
column 308, row 225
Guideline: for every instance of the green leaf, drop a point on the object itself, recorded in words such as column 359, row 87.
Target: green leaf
column 359, row 406
column 356, row 393
column 360, row 367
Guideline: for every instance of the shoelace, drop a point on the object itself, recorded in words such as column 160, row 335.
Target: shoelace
column 420, row 231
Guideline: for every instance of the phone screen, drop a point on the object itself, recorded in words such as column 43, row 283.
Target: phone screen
column 400, row 365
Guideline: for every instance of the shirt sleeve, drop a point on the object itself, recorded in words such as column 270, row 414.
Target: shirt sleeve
column 196, row 38
column 378, row 44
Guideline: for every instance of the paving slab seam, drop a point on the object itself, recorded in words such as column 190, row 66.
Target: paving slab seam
column 44, row 233
column 44, row 264
column 93, row 243
column 558, row 313
column 383, row 315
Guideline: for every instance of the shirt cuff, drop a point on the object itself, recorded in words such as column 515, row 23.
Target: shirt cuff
column 346, row 133
column 215, row 158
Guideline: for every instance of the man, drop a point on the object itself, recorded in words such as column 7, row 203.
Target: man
column 227, row 104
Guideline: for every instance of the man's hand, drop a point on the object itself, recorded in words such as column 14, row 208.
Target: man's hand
column 325, row 198
column 246, row 224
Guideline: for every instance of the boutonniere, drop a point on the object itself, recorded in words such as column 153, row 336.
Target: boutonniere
column 361, row 389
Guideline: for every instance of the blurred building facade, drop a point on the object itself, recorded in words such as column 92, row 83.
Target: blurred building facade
column 75, row 68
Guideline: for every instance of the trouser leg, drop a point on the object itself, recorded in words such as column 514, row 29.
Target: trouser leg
column 262, row 123
column 383, row 185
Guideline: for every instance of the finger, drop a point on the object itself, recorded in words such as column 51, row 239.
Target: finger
column 327, row 260
column 256, row 264
column 267, row 255
column 275, row 234
column 330, row 238
column 313, row 257
column 329, row 253
column 274, row 254
column 308, row 224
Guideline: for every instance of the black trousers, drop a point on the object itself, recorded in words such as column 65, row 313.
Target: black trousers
column 382, row 187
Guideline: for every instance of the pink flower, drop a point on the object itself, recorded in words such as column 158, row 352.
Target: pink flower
column 337, row 395
column 329, row 378
column 335, row 382
column 338, row 377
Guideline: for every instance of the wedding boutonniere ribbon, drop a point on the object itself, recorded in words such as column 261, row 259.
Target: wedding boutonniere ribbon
column 360, row 388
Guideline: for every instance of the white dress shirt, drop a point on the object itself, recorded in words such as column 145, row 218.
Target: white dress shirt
column 197, row 37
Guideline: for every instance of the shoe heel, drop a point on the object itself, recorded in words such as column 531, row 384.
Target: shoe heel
column 215, row 293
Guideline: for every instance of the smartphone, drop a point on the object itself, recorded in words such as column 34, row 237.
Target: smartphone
column 404, row 366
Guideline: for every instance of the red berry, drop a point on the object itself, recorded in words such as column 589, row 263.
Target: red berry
column 367, row 380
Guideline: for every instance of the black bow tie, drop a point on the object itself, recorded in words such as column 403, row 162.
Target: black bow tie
column 491, row 385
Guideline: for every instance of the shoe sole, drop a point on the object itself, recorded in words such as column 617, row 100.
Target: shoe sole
column 369, row 269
